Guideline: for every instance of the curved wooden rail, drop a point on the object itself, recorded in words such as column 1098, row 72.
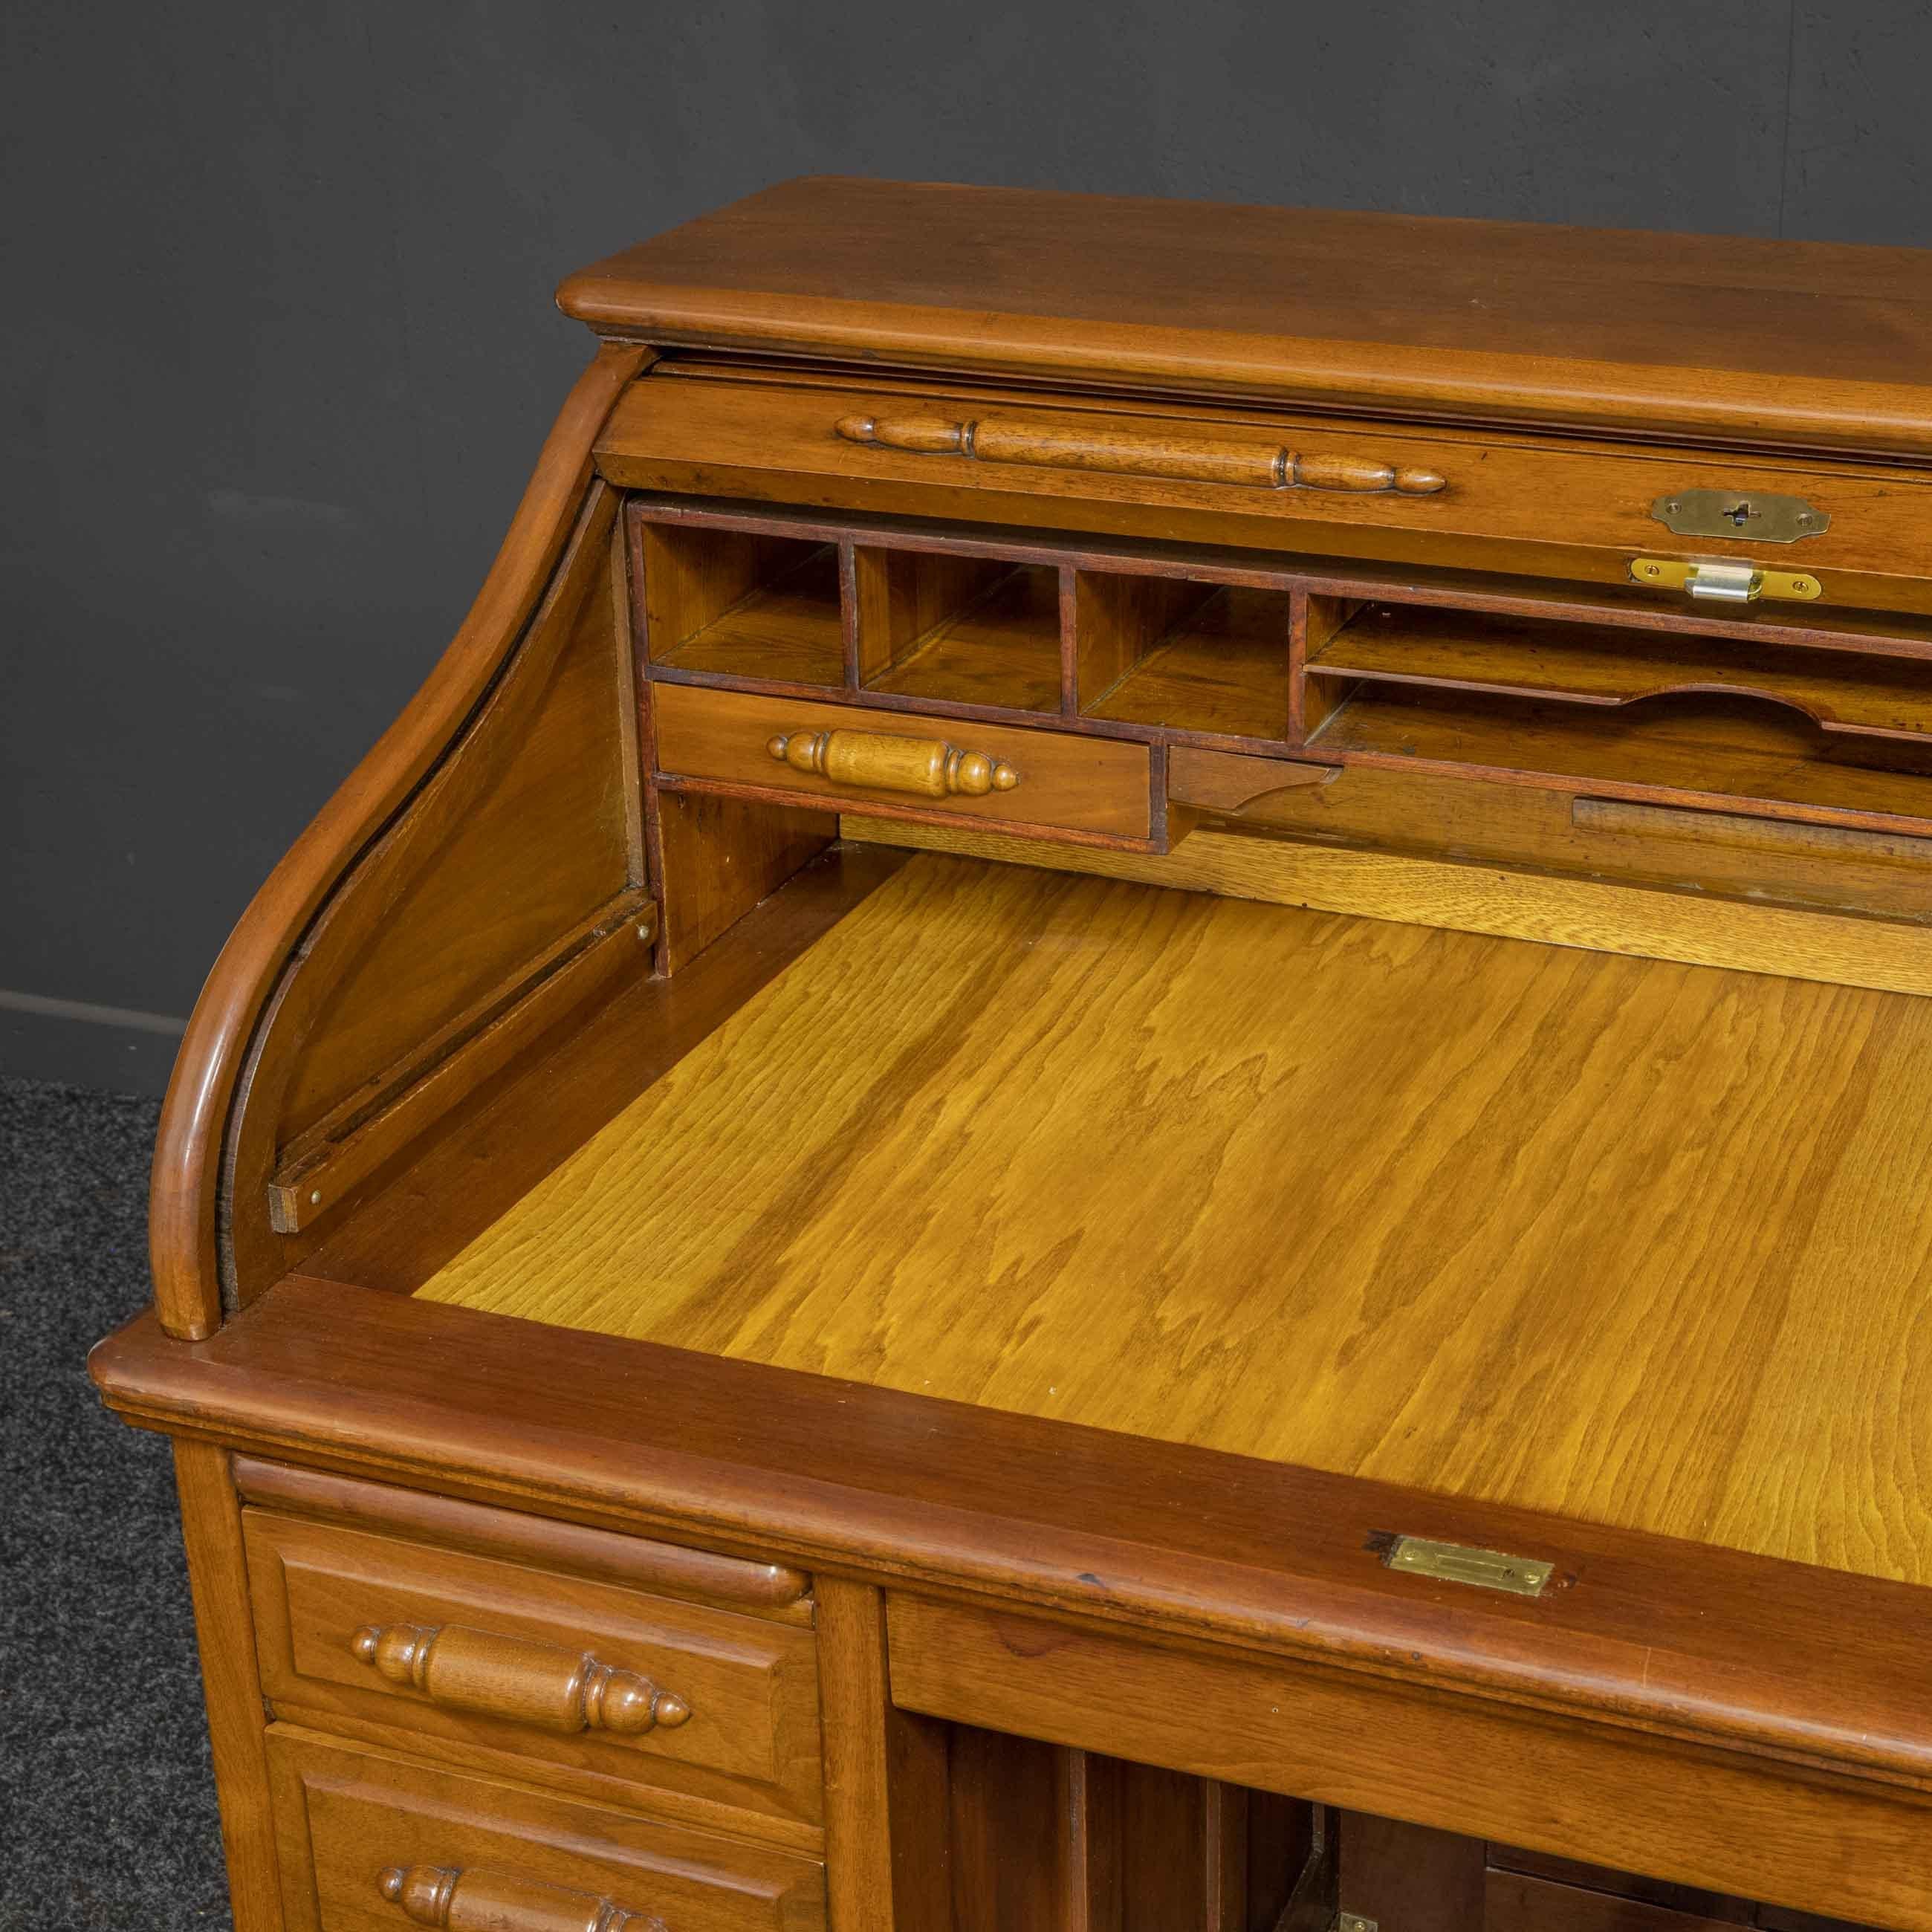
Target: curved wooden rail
column 183, row 1241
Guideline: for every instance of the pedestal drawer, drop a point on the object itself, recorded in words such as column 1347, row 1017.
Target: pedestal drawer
column 901, row 765
column 372, row 1842
column 638, row 1690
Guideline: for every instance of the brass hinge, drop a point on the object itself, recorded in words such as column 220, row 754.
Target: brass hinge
column 1724, row 579
column 1353, row 1921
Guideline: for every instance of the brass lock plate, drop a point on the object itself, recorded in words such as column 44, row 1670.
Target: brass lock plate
column 1457, row 1563
column 1733, row 513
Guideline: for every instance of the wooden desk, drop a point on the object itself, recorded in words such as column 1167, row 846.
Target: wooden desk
column 1093, row 1127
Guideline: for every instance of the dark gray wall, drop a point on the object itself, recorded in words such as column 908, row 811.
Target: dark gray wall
column 281, row 348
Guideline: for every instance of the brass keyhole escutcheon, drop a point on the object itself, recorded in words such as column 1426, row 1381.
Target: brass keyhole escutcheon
column 1727, row 513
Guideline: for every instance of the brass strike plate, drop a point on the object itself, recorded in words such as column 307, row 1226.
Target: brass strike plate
column 1732, row 513
column 1353, row 1921
column 1725, row 580
column 1457, row 1563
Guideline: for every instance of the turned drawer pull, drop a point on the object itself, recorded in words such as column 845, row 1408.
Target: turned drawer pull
column 1125, row 453
column 515, row 1677
column 927, row 767
column 485, row 1901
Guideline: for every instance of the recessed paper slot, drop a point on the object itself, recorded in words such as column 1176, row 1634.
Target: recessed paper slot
column 1842, row 691
column 958, row 630
column 1674, row 748
column 733, row 605
column 1198, row 657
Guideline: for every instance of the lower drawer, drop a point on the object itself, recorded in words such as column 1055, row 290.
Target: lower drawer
column 372, row 1843
column 897, row 764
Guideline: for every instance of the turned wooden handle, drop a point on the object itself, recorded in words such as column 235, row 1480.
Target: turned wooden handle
column 1126, row 453
column 514, row 1677
column 486, row 1901
column 927, row 767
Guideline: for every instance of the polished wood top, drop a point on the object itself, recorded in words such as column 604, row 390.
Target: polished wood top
column 1672, row 336
column 1643, row 1243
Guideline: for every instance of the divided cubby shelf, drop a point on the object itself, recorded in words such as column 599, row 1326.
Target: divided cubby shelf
column 1818, row 714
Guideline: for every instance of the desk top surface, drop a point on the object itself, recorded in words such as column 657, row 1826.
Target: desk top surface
column 1643, row 1244
column 1760, row 341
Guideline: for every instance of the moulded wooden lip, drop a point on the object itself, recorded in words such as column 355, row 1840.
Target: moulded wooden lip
column 1477, row 321
column 1694, row 1642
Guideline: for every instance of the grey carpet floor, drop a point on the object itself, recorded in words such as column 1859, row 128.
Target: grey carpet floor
column 107, row 1817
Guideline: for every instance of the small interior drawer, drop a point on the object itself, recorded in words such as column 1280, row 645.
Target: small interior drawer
column 371, row 1842
column 629, row 1689
column 900, row 764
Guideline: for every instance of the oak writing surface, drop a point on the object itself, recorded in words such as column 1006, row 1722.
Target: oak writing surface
column 1645, row 1244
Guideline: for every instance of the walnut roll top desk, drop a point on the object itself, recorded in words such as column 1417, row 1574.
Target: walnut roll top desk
column 1114, row 1116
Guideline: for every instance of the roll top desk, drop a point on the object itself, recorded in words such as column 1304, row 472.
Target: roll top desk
column 1113, row 1116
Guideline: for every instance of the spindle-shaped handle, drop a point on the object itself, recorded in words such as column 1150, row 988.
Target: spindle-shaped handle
column 514, row 1677
column 1124, row 452
column 448, row 1896
column 878, row 761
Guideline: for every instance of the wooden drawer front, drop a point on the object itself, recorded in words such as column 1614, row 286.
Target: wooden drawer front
column 1202, row 475
column 603, row 1680
column 1064, row 783
column 473, row 1855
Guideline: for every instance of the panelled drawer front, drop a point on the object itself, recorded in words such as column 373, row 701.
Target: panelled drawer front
column 584, row 1674
column 370, row 1842
column 1061, row 781
column 1508, row 502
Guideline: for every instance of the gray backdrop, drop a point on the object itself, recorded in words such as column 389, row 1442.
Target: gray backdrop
column 282, row 351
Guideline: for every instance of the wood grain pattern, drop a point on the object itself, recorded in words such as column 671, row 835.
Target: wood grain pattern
column 1889, row 955
column 1571, row 1874
column 516, row 838
column 1594, row 664
column 512, row 1136
column 1734, row 854
column 1709, row 752
column 1514, row 1902
column 1667, row 335
column 724, row 1582
column 1223, row 672
column 486, row 1901
column 1252, row 1724
column 1527, row 507
column 1126, row 453
column 1433, row 1223
column 888, row 1849
column 1093, row 785
column 890, row 761
column 900, row 597
column 345, row 1817
column 1409, row 1876
column 182, row 1234
column 725, row 602
column 749, row 1686
column 719, row 858
column 217, row 1577
column 374, row 1125
column 1801, row 1670
column 1002, row 649
column 514, row 1677
column 1556, row 599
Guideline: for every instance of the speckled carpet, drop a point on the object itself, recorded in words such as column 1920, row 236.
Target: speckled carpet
column 107, row 1818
